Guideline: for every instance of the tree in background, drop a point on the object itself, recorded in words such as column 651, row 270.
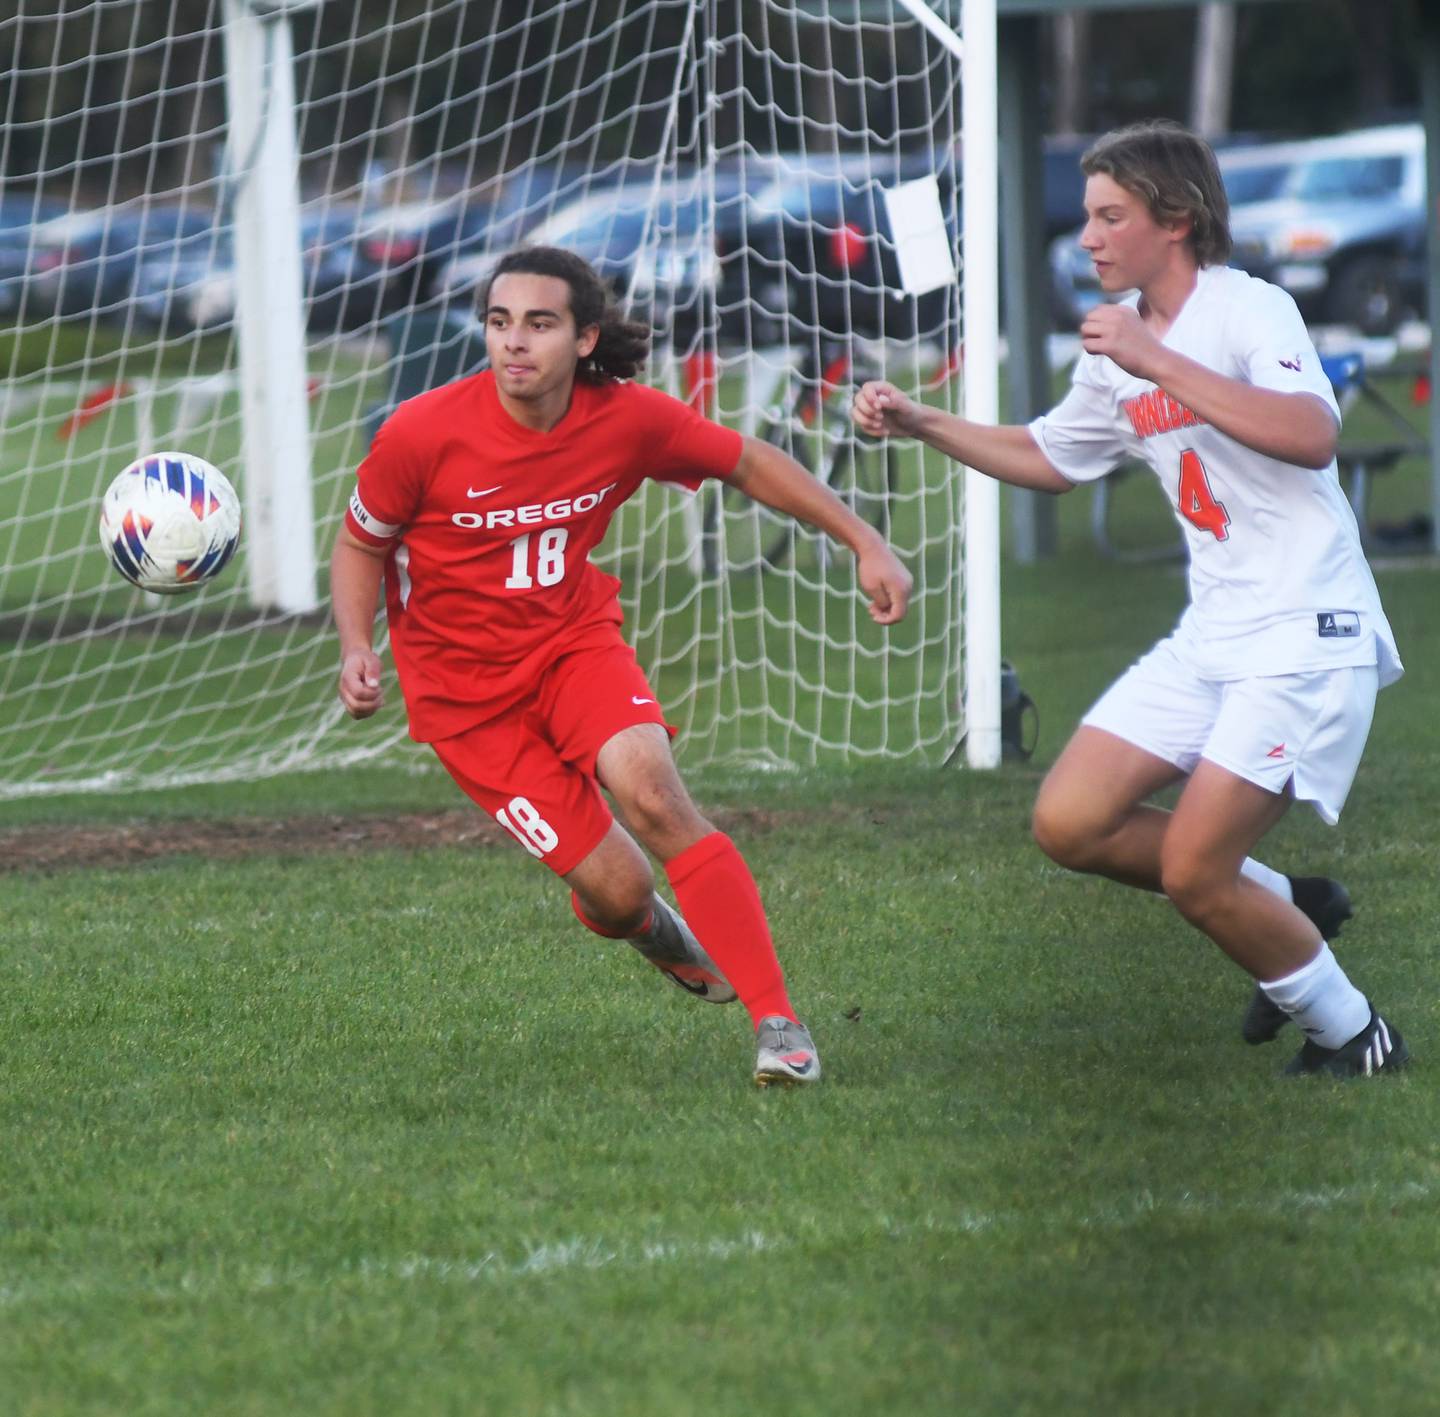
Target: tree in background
column 149, row 113
column 1299, row 69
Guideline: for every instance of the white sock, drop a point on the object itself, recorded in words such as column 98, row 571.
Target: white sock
column 1274, row 881
column 1328, row 1008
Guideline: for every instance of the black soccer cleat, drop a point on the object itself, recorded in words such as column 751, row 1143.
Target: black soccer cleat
column 1377, row 1048
column 1326, row 904
column 1263, row 1020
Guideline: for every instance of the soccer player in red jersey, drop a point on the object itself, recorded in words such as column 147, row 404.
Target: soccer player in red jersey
column 478, row 506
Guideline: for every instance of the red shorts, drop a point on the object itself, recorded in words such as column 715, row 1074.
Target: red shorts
column 532, row 768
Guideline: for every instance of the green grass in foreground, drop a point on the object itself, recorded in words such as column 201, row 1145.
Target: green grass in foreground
column 388, row 1132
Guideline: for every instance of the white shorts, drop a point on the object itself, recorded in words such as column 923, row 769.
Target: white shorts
column 1301, row 731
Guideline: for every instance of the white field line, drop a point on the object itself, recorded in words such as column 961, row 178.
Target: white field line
column 580, row 1255
column 534, row 1260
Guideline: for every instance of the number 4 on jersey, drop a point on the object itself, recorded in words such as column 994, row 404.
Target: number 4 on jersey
column 1197, row 503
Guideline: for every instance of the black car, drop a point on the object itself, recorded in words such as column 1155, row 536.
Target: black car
column 399, row 251
column 652, row 236
column 818, row 255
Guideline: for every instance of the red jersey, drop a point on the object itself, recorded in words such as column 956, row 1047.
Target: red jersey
column 490, row 526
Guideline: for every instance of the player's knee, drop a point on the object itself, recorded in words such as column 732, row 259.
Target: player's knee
column 656, row 810
column 620, row 904
column 613, row 886
column 1061, row 835
column 1191, row 885
column 615, row 921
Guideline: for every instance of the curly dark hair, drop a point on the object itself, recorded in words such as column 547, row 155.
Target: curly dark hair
column 1174, row 172
column 624, row 344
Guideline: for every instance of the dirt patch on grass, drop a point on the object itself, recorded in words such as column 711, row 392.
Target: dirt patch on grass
column 61, row 848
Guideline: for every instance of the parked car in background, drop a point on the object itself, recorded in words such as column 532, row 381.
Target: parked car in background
column 399, row 251
column 84, row 263
column 195, row 288
column 784, row 245
column 1258, row 173
column 19, row 216
column 818, row 255
column 1062, row 184
column 1345, row 233
column 652, row 235
column 1338, row 222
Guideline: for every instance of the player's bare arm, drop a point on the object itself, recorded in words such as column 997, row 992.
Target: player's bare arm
column 356, row 571
column 776, row 479
column 1005, row 452
column 1295, row 428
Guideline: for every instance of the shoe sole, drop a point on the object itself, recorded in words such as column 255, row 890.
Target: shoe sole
column 779, row 1074
column 784, row 1080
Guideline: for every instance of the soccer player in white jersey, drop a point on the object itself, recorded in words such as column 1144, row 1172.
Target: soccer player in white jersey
column 1265, row 691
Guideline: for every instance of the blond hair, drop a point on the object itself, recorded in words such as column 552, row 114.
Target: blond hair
column 1174, row 172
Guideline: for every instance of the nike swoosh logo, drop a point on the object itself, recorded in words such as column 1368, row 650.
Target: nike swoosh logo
column 483, row 492
column 698, row 986
column 637, row 701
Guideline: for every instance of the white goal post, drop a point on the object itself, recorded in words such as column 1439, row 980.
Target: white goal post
column 980, row 321
column 263, row 170
column 246, row 228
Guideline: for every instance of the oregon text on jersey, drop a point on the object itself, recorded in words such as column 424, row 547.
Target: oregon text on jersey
column 535, row 513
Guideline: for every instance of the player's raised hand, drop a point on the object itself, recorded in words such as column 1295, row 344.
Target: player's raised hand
column 1118, row 332
column 359, row 688
column 881, row 409
column 885, row 580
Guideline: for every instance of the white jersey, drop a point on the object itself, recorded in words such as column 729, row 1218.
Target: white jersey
column 1278, row 582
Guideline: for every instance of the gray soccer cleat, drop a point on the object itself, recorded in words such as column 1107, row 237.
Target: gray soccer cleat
column 671, row 947
column 786, row 1053
column 1326, row 904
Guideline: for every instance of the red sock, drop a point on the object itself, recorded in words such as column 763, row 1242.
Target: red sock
column 720, row 903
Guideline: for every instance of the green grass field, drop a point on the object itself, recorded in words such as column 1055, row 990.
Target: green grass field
column 384, row 1131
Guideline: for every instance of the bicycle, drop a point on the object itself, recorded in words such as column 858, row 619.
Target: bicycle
column 810, row 420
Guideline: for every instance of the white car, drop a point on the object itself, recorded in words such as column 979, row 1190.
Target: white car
column 1345, row 235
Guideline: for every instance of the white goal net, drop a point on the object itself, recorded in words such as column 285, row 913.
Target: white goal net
column 725, row 163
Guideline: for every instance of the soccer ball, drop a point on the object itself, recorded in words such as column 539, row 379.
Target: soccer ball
column 170, row 522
